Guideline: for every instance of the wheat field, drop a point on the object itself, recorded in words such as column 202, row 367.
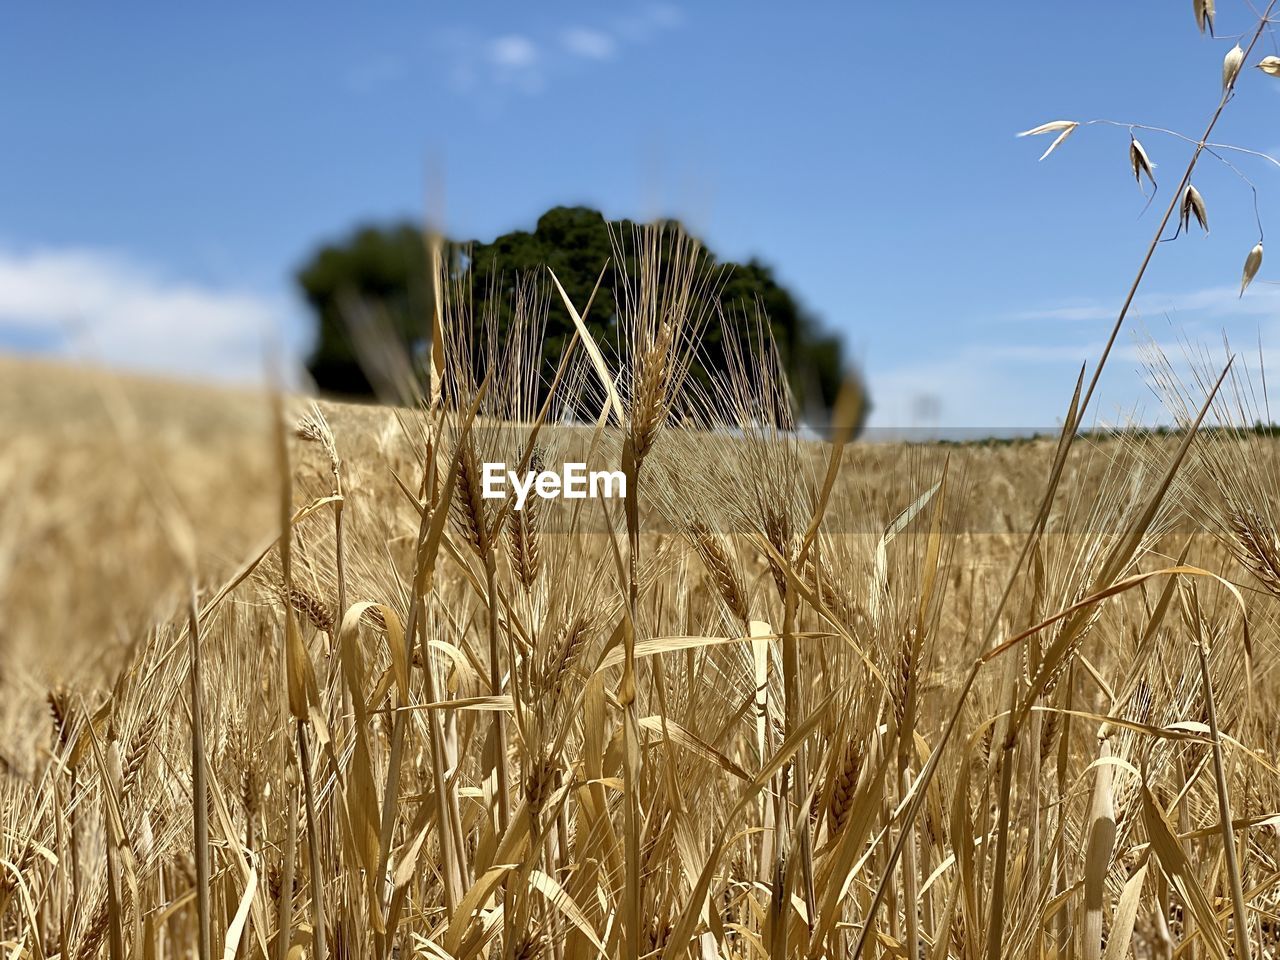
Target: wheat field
column 279, row 681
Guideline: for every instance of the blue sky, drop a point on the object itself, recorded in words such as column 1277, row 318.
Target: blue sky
column 165, row 170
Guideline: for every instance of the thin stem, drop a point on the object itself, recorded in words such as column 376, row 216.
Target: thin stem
column 1258, row 154
column 1241, row 925
column 628, row 697
column 501, row 772
column 313, row 849
column 495, row 689
column 199, row 786
column 995, row 926
column 284, row 921
column 631, row 728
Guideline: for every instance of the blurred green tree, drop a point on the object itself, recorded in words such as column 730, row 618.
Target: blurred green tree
column 387, row 268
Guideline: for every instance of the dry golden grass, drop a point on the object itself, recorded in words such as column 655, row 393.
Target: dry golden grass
column 371, row 821
column 276, row 680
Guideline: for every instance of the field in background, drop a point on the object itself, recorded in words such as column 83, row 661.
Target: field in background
column 84, row 565
column 359, row 796
column 82, row 549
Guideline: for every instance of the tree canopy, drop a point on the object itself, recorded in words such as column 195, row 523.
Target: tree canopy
column 388, row 267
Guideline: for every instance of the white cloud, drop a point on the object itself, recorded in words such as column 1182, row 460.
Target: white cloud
column 1220, row 302
column 1024, row 380
column 588, row 43
column 491, row 67
column 665, row 14
column 983, row 392
column 513, row 52
column 512, row 62
column 96, row 305
column 653, row 18
column 1071, row 313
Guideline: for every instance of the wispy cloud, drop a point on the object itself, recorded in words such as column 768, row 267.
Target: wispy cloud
column 515, row 61
column 967, row 393
column 641, row 25
column 527, row 63
column 1219, row 302
column 1037, row 358
column 96, row 305
column 589, row 43
column 513, row 52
